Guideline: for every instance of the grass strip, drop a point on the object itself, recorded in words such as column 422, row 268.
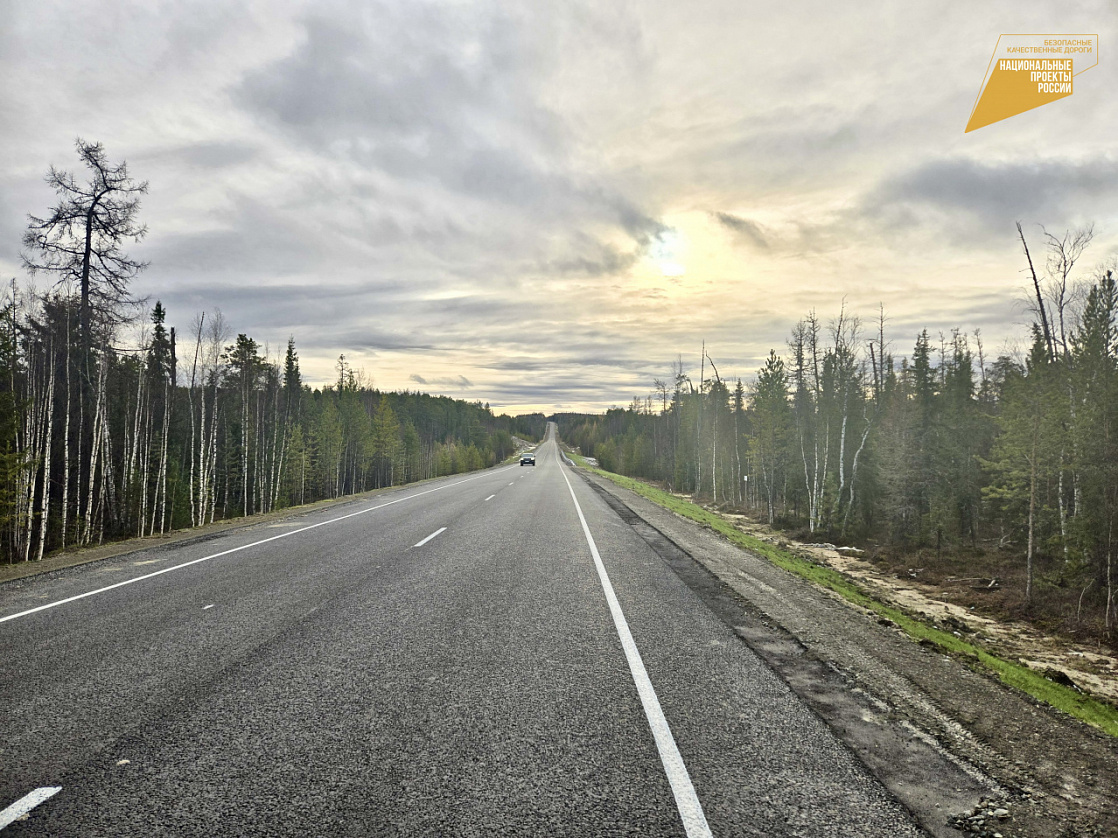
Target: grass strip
column 1100, row 714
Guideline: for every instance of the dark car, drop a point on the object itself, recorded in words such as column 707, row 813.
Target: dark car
column 528, row 458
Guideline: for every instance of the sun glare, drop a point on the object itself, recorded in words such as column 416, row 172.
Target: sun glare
column 667, row 250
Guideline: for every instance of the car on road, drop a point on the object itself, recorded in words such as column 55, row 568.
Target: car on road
column 528, row 458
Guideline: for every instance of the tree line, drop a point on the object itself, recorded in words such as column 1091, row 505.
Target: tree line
column 943, row 448
column 99, row 441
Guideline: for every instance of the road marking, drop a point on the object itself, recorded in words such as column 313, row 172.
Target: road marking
column 490, row 498
column 432, row 535
column 686, row 801
column 26, row 803
column 287, row 534
column 206, row 607
column 512, row 483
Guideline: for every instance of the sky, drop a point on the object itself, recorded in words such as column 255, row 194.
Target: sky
column 543, row 205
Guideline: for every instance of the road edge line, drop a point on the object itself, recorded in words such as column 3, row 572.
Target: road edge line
column 686, row 800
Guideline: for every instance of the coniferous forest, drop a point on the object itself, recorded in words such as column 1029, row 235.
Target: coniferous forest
column 101, row 441
column 944, row 450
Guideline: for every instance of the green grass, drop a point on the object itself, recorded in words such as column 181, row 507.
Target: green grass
column 1101, row 715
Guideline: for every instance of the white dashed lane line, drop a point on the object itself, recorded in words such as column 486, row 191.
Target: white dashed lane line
column 432, row 535
column 26, row 803
column 491, row 497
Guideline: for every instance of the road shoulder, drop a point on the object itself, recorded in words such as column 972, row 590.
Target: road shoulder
column 1051, row 774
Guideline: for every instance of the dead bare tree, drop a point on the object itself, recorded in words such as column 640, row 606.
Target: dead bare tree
column 1063, row 252
column 1042, row 312
column 82, row 237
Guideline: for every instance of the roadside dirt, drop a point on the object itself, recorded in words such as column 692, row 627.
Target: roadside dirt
column 1091, row 669
column 1041, row 773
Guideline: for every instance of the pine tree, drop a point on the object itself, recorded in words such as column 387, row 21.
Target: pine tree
column 772, row 423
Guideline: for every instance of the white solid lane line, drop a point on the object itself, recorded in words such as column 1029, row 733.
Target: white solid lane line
column 26, row 803
column 237, row 549
column 490, row 497
column 686, row 800
column 432, row 535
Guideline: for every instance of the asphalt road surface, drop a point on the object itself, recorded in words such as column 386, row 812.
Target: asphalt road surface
column 487, row 654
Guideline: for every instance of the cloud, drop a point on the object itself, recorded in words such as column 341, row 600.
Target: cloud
column 751, row 231
column 209, row 155
column 444, row 381
column 973, row 198
column 441, row 110
column 481, row 189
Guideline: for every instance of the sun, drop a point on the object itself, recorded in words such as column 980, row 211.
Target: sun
column 667, row 251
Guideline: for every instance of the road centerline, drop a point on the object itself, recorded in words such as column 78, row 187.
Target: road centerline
column 687, row 801
column 436, row 533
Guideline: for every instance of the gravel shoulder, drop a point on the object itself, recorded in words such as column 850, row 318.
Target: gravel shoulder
column 1032, row 771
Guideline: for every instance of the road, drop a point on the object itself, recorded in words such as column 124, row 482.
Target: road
column 487, row 654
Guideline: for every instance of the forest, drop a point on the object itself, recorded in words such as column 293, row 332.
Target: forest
column 100, row 441
column 942, row 450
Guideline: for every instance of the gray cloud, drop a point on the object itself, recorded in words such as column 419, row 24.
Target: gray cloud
column 447, row 103
column 974, row 198
column 207, row 156
column 443, row 381
column 751, row 231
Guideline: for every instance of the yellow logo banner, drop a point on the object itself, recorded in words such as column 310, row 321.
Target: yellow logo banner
column 1027, row 71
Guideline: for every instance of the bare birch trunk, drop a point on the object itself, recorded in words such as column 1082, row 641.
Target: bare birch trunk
column 80, row 453
column 145, row 467
column 161, row 478
column 854, row 476
column 842, row 450
column 213, row 460
column 737, row 456
column 808, row 483
column 66, row 441
column 31, row 435
column 821, row 476
column 244, row 451
column 105, row 493
column 190, row 446
column 714, row 456
column 94, row 451
column 48, row 427
column 134, row 452
column 699, row 427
